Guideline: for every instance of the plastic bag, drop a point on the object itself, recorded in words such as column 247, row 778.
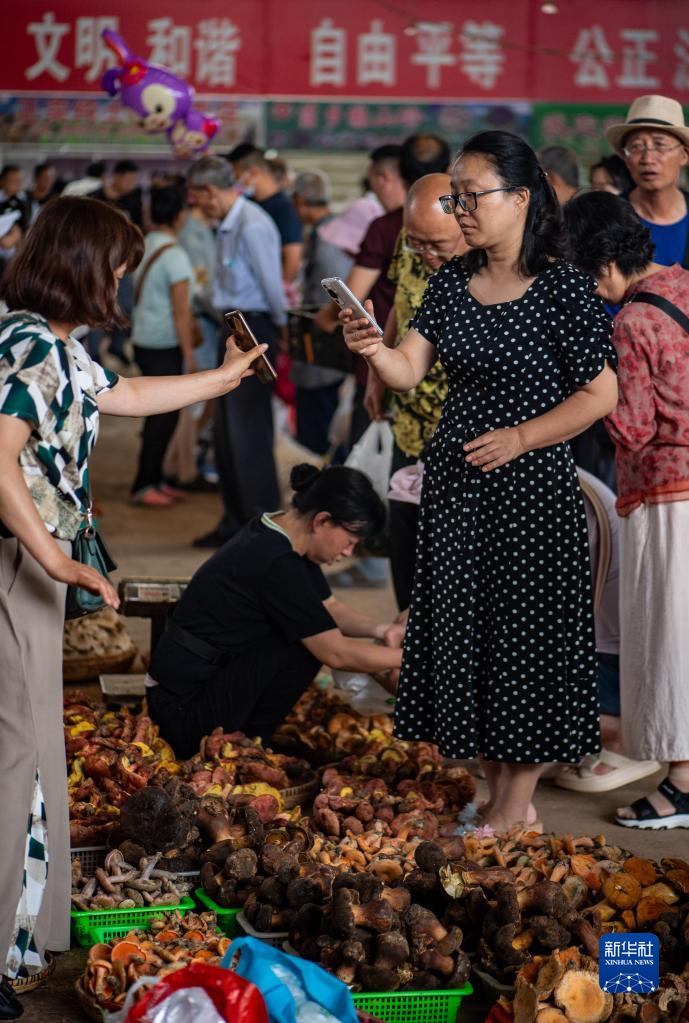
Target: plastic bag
column 363, row 693
column 183, row 1006
column 235, row 999
column 256, row 964
column 406, row 484
column 372, row 454
column 307, row 1011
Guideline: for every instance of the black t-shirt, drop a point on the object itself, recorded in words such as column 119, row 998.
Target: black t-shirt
column 131, row 204
column 281, row 209
column 254, row 589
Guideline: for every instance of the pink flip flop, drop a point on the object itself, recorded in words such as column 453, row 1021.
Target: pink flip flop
column 152, row 498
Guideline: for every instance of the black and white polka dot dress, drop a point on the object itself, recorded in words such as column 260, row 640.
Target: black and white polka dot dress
column 499, row 656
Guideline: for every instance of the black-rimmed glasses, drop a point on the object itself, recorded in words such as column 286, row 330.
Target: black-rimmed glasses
column 468, row 201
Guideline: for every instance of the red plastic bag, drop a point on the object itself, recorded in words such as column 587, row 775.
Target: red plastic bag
column 236, row 999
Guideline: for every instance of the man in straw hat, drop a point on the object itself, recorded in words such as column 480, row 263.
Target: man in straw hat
column 654, row 142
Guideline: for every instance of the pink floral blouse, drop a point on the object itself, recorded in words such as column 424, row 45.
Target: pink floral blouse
column 650, row 426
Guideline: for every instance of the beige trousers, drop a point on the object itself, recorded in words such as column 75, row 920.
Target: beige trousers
column 654, row 631
column 32, row 609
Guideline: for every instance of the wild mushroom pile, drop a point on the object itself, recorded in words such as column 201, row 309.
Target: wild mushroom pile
column 113, row 754
column 119, row 884
column 326, row 728
column 369, row 824
column 375, row 937
column 564, row 988
column 110, row 755
column 172, row 819
column 254, row 871
column 171, row 941
column 523, row 897
column 231, row 763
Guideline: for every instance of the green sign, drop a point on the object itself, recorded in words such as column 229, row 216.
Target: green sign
column 346, row 126
column 581, row 127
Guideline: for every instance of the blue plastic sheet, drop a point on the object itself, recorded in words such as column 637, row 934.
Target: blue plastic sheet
column 256, row 960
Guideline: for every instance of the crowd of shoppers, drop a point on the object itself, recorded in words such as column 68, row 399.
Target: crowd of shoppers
column 488, row 272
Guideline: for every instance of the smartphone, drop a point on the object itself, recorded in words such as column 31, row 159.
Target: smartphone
column 340, row 293
column 245, row 339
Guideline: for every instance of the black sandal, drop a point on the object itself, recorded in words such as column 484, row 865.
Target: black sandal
column 647, row 816
column 10, row 1006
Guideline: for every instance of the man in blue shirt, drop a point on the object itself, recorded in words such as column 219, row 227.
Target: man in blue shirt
column 255, row 176
column 248, row 277
column 654, row 142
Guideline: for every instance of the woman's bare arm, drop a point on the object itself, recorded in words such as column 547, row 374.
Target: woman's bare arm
column 18, row 513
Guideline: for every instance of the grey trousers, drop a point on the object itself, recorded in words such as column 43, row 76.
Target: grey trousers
column 32, row 610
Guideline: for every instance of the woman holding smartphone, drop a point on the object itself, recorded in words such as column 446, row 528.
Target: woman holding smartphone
column 499, row 656
column 258, row 619
column 51, row 395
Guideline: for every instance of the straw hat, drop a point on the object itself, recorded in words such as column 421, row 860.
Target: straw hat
column 659, row 112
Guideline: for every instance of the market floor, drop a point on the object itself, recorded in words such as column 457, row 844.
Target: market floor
column 157, row 542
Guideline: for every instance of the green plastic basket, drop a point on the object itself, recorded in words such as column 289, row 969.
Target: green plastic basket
column 227, row 918
column 86, row 924
column 413, row 1006
column 106, row 934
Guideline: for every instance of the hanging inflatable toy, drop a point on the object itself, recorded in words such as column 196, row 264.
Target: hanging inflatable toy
column 192, row 135
column 161, row 101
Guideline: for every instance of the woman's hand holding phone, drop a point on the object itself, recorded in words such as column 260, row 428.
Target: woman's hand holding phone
column 237, row 364
column 360, row 336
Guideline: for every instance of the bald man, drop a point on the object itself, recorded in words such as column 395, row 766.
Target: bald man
column 428, row 239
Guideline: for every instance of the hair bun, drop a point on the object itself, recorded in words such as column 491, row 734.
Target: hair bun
column 303, row 476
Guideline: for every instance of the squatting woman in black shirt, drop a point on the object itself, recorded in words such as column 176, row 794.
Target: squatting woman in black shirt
column 258, row 619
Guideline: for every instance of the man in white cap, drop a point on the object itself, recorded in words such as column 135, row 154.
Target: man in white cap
column 654, row 142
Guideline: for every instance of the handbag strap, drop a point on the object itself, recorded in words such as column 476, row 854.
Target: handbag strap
column 149, row 263
column 665, row 306
column 604, row 541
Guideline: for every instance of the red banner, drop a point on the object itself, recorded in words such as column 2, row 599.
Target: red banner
column 505, row 49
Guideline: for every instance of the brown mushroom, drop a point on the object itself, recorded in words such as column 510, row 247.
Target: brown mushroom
column 398, row 898
column 549, row 1014
column 348, row 913
column 649, row 910
column 544, row 899
column 503, row 943
column 549, row 975
column 430, row 857
column 622, row 890
column 241, row 865
column 525, row 1002
column 352, row 955
column 582, row 999
column 507, row 904
column 643, row 870
column 548, row 933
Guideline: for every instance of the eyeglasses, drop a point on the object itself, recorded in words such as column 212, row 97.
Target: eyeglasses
column 419, row 248
column 468, row 201
column 661, row 149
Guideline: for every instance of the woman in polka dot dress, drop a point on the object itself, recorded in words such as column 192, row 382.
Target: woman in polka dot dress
column 499, row 656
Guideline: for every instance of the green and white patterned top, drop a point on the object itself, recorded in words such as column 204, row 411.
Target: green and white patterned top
column 53, row 385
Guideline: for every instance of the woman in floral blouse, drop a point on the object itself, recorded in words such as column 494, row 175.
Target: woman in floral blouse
column 650, row 429
column 51, row 394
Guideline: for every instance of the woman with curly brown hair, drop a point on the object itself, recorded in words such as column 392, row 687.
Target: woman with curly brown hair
column 51, row 394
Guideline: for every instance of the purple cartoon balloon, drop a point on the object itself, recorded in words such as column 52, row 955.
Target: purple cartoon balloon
column 158, row 98
column 193, row 135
